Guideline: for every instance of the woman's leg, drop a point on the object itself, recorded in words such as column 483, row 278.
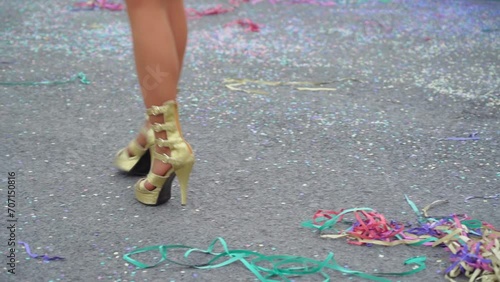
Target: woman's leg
column 157, row 61
column 178, row 22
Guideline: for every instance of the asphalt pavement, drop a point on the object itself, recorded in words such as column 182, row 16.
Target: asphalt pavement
column 322, row 105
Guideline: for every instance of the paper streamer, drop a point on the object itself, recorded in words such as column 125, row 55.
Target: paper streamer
column 81, row 76
column 35, row 256
column 313, row 2
column 265, row 268
column 247, row 24
column 472, row 136
column 496, row 197
column 235, row 84
column 431, row 205
column 237, row 3
column 101, row 4
column 474, row 245
column 217, row 10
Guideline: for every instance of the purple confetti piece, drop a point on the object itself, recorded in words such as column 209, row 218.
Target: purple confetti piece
column 44, row 257
column 473, row 136
column 495, row 197
column 469, row 198
column 102, row 4
column 110, row 6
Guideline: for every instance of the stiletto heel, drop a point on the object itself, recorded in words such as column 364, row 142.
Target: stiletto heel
column 140, row 162
column 181, row 158
column 183, row 178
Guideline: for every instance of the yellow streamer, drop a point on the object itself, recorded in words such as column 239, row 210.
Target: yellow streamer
column 433, row 204
column 315, row 89
column 235, row 84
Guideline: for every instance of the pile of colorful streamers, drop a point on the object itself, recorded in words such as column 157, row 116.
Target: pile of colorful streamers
column 474, row 245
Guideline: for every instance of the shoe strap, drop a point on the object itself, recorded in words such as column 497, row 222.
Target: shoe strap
column 170, row 143
column 166, row 159
column 158, row 180
column 135, row 148
column 158, row 110
column 157, row 127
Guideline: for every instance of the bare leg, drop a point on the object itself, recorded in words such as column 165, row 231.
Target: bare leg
column 157, row 61
column 178, row 23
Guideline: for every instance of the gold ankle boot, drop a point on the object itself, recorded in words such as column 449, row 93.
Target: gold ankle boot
column 139, row 163
column 181, row 158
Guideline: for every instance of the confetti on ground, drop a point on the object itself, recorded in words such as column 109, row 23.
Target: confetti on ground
column 428, row 73
column 474, row 245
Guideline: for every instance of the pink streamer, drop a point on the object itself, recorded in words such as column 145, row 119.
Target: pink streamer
column 237, row 3
column 312, row 2
column 248, row 24
column 103, row 4
column 193, row 13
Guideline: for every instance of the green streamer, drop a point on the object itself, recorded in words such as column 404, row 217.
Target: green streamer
column 419, row 214
column 472, row 223
column 330, row 223
column 81, row 76
column 283, row 266
column 423, row 241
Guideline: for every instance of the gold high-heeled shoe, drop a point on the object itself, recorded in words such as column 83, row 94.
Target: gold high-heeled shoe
column 181, row 158
column 140, row 163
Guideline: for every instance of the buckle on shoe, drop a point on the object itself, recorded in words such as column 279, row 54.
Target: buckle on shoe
column 155, row 110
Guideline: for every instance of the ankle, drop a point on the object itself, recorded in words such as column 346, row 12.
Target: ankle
column 142, row 140
column 162, row 150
